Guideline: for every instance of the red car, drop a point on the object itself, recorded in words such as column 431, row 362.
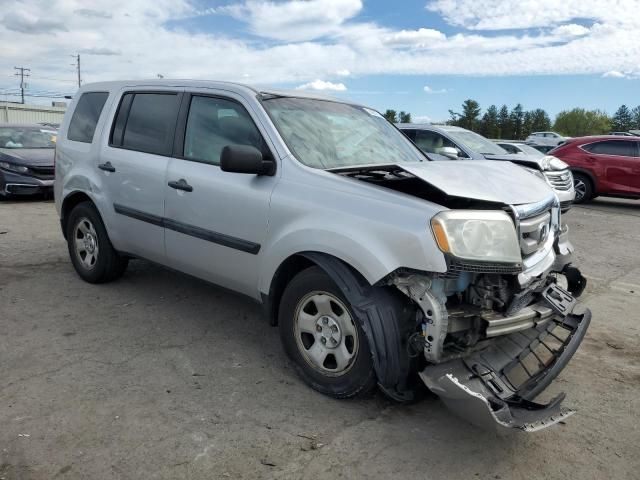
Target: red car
column 606, row 165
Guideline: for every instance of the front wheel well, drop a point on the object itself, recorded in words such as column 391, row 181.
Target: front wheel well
column 68, row 204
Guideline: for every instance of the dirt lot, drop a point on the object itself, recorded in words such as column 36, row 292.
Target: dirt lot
column 161, row 376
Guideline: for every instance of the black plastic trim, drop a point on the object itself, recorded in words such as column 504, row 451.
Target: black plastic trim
column 193, row 231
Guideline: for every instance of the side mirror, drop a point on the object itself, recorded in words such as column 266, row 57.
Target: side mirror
column 245, row 159
column 449, row 152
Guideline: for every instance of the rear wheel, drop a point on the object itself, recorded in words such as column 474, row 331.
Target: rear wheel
column 583, row 188
column 90, row 250
column 322, row 336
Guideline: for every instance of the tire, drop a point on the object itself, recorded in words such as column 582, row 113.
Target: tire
column 312, row 307
column 583, row 187
column 90, row 250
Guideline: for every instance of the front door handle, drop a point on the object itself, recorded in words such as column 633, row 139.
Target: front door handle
column 107, row 167
column 181, row 185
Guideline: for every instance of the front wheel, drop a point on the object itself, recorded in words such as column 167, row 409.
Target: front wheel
column 90, row 250
column 322, row 336
column 583, row 188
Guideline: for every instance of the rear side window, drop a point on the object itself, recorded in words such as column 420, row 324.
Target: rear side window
column 146, row 122
column 212, row 124
column 621, row 148
column 85, row 116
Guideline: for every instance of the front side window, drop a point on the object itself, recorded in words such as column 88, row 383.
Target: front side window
column 85, row 116
column 146, row 122
column 212, row 124
column 326, row 134
column 620, row 148
column 432, row 142
column 476, row 143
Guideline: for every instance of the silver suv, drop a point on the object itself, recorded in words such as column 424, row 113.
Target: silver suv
column 448, row 142
column 380, row 267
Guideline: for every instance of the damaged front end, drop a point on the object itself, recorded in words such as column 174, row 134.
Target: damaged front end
column 494, row 335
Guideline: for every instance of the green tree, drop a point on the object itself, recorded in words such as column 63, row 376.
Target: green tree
column 454, row 118
column 527, row 124
column 391, row 115
column 470, row 115
column 405, row 117
column 517, row 120
column 635, row 113
column 489, row 125
column 540, row 121
column 504, row 122
column 579, row 122
column 622, row 120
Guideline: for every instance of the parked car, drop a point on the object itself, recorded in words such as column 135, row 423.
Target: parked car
column 603, row 165
column 379, row 266
column 445, row 142
column 519, row 148
column 544, row 148
column 545, row 138
column 26, row 159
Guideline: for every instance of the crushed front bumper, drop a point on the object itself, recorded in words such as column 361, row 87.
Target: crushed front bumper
column 495, row 386
column 12, row 183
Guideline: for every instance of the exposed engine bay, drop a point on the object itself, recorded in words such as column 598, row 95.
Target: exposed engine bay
column 493, row 335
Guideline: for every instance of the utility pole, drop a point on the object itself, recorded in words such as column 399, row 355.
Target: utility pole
column 77, row 65
column 21, row 73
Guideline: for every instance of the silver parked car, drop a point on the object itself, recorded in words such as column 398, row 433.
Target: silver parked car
column 379, row 266
column 448, row 142
column 549, row 139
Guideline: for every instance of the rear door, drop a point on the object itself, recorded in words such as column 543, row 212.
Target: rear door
column 216, row 222
column 134, row 165
column 620, row 163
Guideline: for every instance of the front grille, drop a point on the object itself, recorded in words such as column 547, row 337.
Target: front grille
column 44, row 173
column 560, row 180
column 534, row 231
column 456, row 266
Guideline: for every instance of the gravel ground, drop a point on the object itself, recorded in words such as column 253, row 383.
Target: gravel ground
column 159, row 375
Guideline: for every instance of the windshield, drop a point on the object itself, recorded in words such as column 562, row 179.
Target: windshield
column 527, row 150
column 476, row 143
column 326, row 134
column 26, row 137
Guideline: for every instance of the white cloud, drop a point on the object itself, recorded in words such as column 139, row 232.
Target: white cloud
column 419, row 38
column 322, row 85
column 306, row 41
column 614, row 74
column 294, row 20
column 434, row 91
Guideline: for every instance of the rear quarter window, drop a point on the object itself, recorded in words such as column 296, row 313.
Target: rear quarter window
column 85, row 117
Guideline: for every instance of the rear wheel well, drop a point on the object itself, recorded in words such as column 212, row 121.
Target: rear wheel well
column 68, row 204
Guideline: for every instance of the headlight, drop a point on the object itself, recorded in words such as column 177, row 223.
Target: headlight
column 13, row 168
column 479, row 235
column 549, row 162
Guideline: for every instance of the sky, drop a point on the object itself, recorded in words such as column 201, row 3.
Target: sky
column 421, row 56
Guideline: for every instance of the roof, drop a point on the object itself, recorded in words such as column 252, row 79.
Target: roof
column 603, row 137
column 236, row 87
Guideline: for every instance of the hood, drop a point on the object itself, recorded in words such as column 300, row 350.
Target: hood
column 519, row 158
column 37, row 157
column 491, row 181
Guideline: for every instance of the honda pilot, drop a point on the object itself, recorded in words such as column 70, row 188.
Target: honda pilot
column 380, row 267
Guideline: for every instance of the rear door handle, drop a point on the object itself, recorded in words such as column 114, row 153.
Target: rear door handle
column 107, row 167
column 181, row 185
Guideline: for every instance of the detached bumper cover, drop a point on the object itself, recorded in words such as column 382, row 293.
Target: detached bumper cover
column 495, row 387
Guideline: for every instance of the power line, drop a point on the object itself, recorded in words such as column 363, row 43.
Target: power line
column 22, row 74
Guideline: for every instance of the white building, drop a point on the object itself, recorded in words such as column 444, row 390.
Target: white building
column 19, row 113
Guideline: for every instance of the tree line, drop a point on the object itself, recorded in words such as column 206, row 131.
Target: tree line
column 517, row 123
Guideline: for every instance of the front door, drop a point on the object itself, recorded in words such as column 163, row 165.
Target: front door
column 216, row 222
